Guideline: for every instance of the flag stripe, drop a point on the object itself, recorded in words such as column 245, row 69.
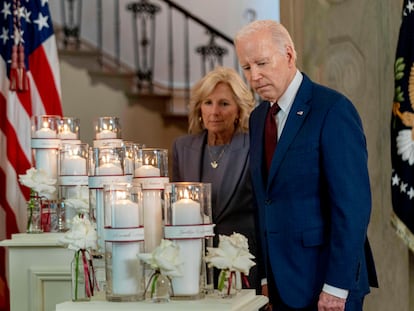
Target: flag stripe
column 43, row 78
column 17, row 107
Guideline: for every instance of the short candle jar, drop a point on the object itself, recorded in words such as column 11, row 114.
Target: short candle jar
column 188, row 223
column 124, row 240
column 69, row 129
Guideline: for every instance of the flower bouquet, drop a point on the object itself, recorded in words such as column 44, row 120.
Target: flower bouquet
column 81, row 238
column 165, row 261
column 231, row 256
column 40, row 185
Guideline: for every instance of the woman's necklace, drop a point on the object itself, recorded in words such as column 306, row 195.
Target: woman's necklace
column 215, row 162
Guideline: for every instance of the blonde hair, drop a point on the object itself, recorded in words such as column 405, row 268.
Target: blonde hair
column 204, row 87
column 279, row 33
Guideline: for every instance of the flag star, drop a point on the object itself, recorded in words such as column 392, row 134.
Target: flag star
column 6, row 9
column 5, row 35
column 410, row 6
column 411, row 193
column 27, row 16
column 18, row 36
column 20, row 12
column 41, row 21
column 403, row 187
column 395, row 180
column 44, row 2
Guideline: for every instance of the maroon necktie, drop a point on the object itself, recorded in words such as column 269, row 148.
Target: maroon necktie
column 270, row 133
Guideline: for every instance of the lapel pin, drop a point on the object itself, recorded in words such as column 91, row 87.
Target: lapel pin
column 299, row 113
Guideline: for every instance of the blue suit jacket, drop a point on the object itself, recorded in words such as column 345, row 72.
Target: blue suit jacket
column 315, row 205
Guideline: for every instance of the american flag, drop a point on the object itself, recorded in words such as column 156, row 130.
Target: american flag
column 25, row 27
column 402, row 130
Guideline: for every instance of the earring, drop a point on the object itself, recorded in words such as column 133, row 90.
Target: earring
column 236, row 121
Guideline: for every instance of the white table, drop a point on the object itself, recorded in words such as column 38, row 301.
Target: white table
column 39, row 274
column 246, row 300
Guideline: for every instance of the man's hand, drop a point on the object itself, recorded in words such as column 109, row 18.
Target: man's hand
column 265, row 292
column 329, row 302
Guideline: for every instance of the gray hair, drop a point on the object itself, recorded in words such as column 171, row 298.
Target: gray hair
column 279, row 34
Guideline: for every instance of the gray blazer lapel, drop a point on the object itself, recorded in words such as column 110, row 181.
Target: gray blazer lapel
column 231, row 170
column 193, row 157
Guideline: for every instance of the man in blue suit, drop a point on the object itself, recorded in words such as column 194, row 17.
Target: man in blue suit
column 314, row 201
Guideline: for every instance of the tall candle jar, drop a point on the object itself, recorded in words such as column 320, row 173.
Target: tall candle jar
column 73, row 179
column 45, row 145
column 107, row 132
column 187, row 222
column 151, row 171
column 124, row 240
column 69, row 129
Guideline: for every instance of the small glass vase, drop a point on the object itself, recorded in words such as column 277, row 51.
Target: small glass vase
column 81, row 285
column 161, row 289
column 34, row 214
column 229, row 283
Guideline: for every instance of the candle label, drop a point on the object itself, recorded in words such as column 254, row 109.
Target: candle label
column 73, row 180
column 45, row 143
column 107, row 142
column 188, row 232
column 124, row 234
column 152, row 183
column 96, row 182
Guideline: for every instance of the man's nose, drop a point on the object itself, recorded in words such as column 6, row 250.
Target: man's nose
column 255, row 74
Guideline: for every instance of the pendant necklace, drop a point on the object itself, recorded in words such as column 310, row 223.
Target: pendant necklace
column 215, row 162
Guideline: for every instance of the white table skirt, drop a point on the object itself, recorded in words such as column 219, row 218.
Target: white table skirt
column 246, row 300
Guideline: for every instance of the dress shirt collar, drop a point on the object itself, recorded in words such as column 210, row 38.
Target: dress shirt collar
column 285, row 101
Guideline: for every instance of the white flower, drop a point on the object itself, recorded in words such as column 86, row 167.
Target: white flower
column 232, row 254
column 80, row 200
column 82, row 235
column 165, row 258
column 39, row 181
column 405, row 146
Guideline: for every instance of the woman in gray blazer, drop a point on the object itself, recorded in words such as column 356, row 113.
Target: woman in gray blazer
column 216, row 151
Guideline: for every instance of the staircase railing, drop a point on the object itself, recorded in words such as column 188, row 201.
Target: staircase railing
column 171, row 47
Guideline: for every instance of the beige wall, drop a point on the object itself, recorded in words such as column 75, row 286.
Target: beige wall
column 350, row 45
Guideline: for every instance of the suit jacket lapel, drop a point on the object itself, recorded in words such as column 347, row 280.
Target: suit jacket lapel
column 296, row 117
column 193, row 157
column 231, row 170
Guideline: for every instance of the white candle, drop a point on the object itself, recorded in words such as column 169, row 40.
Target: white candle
column 67, row 135
column 73, row 165
column 105, row 134
column 109, row 169
column 125, row 214
column 188, row 212
column 45, row 132
column 152, row 218
column 147, row 171
column 47, row 159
